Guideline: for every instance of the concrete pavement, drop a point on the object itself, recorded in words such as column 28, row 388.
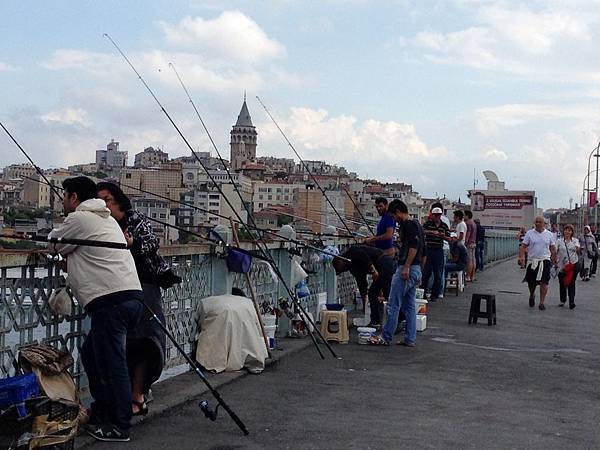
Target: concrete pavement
column 528, row 382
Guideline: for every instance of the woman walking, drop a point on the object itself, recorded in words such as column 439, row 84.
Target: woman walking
column 568, row 250
column 589, row 250
column 146, row 348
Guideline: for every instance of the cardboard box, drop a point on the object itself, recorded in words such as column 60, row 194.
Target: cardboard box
column 421, row 322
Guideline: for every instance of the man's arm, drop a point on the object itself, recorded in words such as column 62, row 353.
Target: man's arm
column 70, row 229
column 389, row 234
column 553, row 257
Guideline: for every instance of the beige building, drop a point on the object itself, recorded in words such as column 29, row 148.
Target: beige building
column 38, row 194
column 271, row 194
column 243, row 140
column 150, row 157
column 18, row 171
column 164, row 181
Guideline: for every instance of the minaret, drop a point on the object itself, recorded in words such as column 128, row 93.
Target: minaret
column 243, row 139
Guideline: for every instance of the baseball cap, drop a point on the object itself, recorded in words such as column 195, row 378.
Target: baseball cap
column 437, row 211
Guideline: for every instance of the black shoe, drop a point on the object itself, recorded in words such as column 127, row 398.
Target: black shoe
column 531, row 302
column 107, row 433
column 572, row 306
column 434, row 299
column 541, row 307
column 561, row 304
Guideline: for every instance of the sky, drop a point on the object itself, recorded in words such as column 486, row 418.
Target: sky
column 425, row 92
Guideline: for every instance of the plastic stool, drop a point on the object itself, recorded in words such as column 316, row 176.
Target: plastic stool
column 334, row 326
column 455, row 280
column 490, row 310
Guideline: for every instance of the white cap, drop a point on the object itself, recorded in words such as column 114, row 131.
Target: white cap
column 437, row 211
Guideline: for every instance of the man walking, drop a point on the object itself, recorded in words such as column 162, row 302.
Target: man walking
column 436, row 233
column 365, row 260
column 384, row 239
column 405, row 279
column 105, row 282
column 541, row 252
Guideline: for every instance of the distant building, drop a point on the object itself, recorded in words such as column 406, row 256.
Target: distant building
column 18, row 171
column 111, row 157
column 10, row 194
column 271, row 194
column 157, row 209
column 38, row 194
column 243, row 139
column 150, row 157
column 164, row 181
column 83, row 168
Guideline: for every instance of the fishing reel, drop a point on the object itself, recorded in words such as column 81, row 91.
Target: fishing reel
column 209, row 413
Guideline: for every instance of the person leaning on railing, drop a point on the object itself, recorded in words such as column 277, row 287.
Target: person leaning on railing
column 105, row 282
column 146, row 346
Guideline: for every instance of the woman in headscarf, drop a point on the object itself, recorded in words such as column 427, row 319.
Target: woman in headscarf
column 146, row 348
column 589, row 252
column 567, row 256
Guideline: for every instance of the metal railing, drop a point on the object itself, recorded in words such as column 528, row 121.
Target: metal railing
column 500, row 246
column 28, row 279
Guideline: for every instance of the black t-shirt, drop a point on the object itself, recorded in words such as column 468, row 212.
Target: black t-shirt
column 411, row 236
column 362, row 258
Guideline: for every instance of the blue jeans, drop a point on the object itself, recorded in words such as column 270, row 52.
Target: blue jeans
column 104, row 355
column 479, row 249
column 434, row 265
column 402, row 296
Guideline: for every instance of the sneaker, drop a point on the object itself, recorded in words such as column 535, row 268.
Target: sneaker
column 572, row 306
column 107, row 433
column 406, row 344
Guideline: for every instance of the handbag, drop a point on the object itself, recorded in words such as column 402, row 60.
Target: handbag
column 568, row 269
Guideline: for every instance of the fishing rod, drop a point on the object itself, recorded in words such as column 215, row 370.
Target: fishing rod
column 38, row 170
column 273, row 265
column 305, row 167
column 66, row 241
column 294, row 241
column 245, row 225
column 358, row 210
column 251, row 219
column 328, row 214
column 353, row 234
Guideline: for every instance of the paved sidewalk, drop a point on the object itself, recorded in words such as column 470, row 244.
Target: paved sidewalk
column 528, row 382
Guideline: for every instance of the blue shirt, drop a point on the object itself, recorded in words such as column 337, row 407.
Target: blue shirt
column 385, row 222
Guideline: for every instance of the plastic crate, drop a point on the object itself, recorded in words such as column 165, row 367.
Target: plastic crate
column 13, row 427
column 15, row 390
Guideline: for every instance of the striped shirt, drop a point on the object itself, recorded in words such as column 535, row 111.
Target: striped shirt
column 435, row 241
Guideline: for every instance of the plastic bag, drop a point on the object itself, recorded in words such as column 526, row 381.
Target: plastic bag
column 60, row 302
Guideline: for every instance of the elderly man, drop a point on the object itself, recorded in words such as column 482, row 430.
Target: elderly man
column 436, row 233
column 541, row 251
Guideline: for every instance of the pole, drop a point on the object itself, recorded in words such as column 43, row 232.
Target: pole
column 252, row 293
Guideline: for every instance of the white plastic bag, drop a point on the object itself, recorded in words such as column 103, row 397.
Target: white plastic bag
column 60, row 302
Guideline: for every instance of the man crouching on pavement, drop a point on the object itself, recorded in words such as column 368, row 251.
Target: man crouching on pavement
column 105, row 282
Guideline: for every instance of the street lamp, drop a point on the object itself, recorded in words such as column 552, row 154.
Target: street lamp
column 583, row 196
column 596, row 154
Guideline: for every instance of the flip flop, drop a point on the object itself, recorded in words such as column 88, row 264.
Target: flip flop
column 378, row 340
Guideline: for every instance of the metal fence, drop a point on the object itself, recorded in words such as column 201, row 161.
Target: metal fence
column 500, row 246
column 27, row 281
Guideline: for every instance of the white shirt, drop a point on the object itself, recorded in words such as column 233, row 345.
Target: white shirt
column 538, row 244
column 567, row 252
column 461, row 227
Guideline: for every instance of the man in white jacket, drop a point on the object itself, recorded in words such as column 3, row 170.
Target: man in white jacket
column 105, row 282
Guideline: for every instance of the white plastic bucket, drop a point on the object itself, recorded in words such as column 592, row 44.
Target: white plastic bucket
column 270, row 331
column 364, row 333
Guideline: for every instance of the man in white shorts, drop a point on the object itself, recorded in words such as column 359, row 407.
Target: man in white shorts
column 541, row 252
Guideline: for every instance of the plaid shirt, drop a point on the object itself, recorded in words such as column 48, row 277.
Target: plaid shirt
column 145, row 247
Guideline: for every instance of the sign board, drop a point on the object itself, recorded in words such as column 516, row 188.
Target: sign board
column 504, row 210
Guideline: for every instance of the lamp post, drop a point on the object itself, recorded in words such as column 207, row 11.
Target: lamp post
column 583, row 196
column 596, row 153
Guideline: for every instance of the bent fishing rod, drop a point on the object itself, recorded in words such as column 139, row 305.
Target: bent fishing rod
column 66, row 241
column 265, row 252
column 251, row 219
column 305, row 167
column 359, row 211
column 328, row 214
column 37, row 169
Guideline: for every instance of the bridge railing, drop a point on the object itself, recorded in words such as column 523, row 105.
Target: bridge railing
column 27, row 281
column 500, row 246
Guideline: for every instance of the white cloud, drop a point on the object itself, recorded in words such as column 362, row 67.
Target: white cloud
column 554, row 43
column 385, row 149
column 232, row 35
column 5, row 67
column 91, row 62
column 68, row 116
column 496, row 155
